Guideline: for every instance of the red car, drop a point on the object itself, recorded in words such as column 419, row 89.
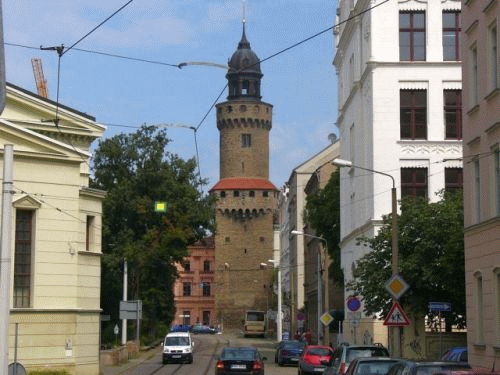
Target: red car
column 314, row 359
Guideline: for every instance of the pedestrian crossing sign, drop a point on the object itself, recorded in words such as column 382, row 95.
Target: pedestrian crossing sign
column 396, row 317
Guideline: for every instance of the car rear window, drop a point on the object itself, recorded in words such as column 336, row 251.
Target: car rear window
column 375, row 368
column 366, row 352
column 245, row 354
column 320, row 351
column 436, row 369
column 294, row 345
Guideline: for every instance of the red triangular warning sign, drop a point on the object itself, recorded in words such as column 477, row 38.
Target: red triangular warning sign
column 396, row 317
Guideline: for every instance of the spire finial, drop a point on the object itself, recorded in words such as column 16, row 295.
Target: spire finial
column 243, row 12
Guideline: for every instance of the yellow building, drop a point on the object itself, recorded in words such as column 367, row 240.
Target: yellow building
column 56, row 234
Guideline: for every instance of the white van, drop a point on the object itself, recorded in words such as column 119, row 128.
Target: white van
column 178, row 347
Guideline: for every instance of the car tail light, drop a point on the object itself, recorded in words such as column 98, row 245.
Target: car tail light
column 220, row 365
column 342, row 369
column 257, row 366
column 284, row 352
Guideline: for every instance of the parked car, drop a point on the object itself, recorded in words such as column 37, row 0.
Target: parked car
column 371, row 366
column 288, row 352
column 427, row 368
column 203, row 329
column 180, row 328
column 344, row 354
column 240, row 361
column 456, row 354
column 314, row 359
column 178, row 347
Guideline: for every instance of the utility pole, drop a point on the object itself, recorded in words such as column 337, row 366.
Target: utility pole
column 125, row 287
column 6, row 256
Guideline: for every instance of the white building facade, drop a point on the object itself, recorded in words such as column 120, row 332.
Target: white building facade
column 399, row 101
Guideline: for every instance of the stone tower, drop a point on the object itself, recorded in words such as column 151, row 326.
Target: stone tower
column 247, row 200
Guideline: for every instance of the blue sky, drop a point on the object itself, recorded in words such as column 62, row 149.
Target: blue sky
column 300, row 83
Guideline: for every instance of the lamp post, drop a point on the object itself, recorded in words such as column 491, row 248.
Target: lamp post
column 394, row 237
column 279, row 326
column 326, row 336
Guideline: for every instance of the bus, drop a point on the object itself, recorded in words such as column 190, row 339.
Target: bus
column 255, row 323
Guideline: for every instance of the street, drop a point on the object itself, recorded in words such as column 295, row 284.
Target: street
column 206, row 349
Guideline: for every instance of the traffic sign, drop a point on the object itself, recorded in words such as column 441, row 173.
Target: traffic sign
column 396, row 286
column 353, row 303
column 326, row 319
column 396, row 317
column 439, row 306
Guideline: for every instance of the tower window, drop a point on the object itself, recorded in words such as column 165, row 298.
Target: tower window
column 251, row 193
column 265, row 194
column 245, row 89
column 243, row 108
column 236, row 193
column 222, row 194
column 229, row 108
column 246, row 140
column 228, row 239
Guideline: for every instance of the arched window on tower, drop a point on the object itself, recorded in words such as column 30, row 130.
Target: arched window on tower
column 245, row 88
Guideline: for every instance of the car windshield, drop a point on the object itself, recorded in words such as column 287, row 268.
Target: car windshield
column 176, row 341
column 323, row 352
column 366, row 352
column 238, row 354
column 374, row 368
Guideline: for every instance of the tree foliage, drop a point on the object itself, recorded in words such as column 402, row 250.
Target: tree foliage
column 323, row 215
column 431, row 258
column 136, row 171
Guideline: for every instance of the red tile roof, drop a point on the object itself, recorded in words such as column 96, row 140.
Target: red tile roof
column 244, row 184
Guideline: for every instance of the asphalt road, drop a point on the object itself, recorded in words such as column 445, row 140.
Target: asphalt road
column 206, row 349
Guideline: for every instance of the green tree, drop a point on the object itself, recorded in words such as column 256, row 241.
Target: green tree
column 431, row 259
column 136, row 171
column 323, row 215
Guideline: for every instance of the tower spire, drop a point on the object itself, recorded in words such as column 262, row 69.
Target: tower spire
column 244, row 13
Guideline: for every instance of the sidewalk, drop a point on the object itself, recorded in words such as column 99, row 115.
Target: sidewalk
column 142, row 356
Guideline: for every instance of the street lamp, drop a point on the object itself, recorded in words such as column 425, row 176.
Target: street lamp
column 394, row 235
column 279, row 326
column 326, row 337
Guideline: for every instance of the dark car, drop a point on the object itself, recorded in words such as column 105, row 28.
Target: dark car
column 203, row 329
column 371, row 366
column 427, row 368
column 456, row 354
column 344, row 354
column 240, row 361
column 180, row 328
column 288, row 352
column 314, row 359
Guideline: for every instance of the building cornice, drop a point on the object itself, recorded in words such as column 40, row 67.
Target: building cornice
column 356, row 233
column 52, row 311
column 475, row 228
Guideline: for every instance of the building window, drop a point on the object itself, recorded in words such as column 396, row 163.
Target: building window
column 186, row 265
column 414, row 182
column 496, row 178
column 453, row 179
column 493, row 64
column 243, row 108
column 222, row 194
column 236, row 193
column 479, row 308
column 265, row 193
column 477, row 192
column 186, row 289
column 206, row 289
column 413, row 113
column 453, row 113
column 412, row 36
column 23, row 258
column 245, row 89
column 474, row 83
column 246, row 140
column 451, row 36
column 89, row 233
column 227, row 239
column 206, row 266
column 251, row 193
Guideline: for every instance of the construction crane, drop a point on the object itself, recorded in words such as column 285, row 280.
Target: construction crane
column 41, row 82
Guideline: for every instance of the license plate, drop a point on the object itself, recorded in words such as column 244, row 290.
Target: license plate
column 238, row 367
column 319, row 369
column 176, row 356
